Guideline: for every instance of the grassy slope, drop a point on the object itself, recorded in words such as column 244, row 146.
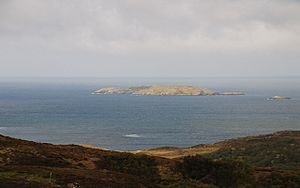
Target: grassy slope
column 29, row 164
column 277, row 150
column 280, row 149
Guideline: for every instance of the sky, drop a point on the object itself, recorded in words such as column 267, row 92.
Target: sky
column 142, row 38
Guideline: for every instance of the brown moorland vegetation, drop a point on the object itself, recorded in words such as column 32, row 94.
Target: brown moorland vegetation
column 263, row 161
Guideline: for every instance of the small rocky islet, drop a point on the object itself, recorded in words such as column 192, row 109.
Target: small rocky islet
column 163, row 90
column 276, row 97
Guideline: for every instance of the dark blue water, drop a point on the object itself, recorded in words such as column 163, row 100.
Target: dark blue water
column 64, row 111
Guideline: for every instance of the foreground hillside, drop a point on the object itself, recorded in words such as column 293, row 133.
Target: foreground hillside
column 280, row 150
column 262, row 161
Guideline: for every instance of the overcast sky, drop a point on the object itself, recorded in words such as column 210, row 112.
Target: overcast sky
column 161, row 38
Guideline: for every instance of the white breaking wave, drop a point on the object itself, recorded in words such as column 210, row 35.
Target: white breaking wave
column 132, row 135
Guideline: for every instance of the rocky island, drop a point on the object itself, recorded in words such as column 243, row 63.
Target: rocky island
column 279, row 97
column 163, row 90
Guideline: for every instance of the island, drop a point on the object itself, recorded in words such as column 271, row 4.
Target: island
column 163, row 90
column 279, row 97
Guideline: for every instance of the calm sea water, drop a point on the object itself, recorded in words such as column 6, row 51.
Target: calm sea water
column 65, row 111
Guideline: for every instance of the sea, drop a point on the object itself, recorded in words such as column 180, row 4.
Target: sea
column 64, row 111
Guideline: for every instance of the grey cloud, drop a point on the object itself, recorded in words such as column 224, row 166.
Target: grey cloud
column 102, row 35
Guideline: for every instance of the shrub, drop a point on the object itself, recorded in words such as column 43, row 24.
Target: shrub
column 279, row 180
column 223, row 173
column 140, row 165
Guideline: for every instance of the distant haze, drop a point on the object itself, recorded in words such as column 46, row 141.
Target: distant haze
column 142, row 38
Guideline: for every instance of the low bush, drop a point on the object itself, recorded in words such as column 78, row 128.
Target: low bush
column 279, row 180
column 223, row 173
column 140, row 165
